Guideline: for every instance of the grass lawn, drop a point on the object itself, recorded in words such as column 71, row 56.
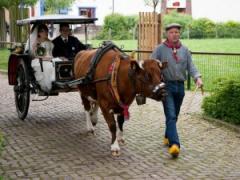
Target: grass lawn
column 4, row 54
column 213, row 67
column 199, row 45
column 210, row 66
column 125, row 44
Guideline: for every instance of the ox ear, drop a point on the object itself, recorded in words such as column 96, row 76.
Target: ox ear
column 162, row 65
column 135, row 66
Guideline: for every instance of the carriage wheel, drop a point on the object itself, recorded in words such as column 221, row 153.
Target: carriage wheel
column 22, row 90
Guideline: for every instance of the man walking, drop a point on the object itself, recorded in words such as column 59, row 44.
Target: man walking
column 179, row 62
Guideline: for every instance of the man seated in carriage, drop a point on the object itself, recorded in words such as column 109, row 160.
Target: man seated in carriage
column 66, row 45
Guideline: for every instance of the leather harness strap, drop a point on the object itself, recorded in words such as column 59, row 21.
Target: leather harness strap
column 114, row 78
column 106, row 46
column 113, row 71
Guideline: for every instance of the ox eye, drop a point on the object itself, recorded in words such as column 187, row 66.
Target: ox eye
column 148, row 77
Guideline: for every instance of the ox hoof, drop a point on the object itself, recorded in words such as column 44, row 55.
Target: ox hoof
column 121, row 142
column 116, row 153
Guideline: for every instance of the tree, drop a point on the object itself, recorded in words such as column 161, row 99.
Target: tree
column 8, row 3
column 52, row 6
column 232, row 29
column 152, row 3
column 202, row 28
column 117, row 26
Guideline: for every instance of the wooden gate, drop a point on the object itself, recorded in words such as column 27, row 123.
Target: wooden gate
column 149, row 32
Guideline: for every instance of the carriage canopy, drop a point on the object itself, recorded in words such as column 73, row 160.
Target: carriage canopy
column 57, row 19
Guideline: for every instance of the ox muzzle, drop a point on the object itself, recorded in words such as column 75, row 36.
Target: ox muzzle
column 158, row 94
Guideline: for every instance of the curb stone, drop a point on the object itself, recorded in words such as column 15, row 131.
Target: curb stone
column 219, row 122
column 3, row 71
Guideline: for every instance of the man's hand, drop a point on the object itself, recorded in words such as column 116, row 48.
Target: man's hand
column 199, row 82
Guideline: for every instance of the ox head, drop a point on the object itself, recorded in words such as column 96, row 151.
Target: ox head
column 147, row 78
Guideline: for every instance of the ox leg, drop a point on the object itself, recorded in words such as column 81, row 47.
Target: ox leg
column 109, row 117
column 94, row 113
column 91, row 114
column 120, row 120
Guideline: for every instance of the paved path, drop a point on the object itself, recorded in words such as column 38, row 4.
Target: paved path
column 52, row 143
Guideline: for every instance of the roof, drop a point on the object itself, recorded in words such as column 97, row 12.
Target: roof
column 57, row 19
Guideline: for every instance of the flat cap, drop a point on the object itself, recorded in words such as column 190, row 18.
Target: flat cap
column 173, row 25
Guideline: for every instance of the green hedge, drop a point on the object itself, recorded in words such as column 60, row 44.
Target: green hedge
column 1, row 142
column 224, row 102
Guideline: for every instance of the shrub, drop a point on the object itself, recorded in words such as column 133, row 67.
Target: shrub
column 118, row 27
column 1, row 142
column 224, row 102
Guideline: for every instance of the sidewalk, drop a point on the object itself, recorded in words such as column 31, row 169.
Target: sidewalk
column 52, row 143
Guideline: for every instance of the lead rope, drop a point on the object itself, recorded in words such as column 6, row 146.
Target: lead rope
column 192, row 97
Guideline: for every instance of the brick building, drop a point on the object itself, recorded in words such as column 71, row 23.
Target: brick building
column 181, row 6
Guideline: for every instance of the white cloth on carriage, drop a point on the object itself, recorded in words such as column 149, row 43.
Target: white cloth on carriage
column 48, row 75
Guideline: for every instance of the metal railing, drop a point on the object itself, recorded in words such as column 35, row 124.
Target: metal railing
column 212, row 66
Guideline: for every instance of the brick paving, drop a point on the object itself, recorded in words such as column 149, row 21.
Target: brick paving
column 52, row 143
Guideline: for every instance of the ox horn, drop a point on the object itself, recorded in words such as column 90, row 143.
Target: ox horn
column 140, row 63
column 160, row 64
column 132, row 55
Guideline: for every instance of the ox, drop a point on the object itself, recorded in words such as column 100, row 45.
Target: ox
column 114, row 97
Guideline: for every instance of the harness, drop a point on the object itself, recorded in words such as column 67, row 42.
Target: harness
column 88, row 78
column 106, row 46
column 112, row 74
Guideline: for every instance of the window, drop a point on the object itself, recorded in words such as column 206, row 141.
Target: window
column 88, row 12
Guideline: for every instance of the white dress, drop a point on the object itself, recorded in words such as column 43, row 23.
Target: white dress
column 48, row 75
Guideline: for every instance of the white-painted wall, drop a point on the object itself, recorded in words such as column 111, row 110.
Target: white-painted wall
column 104, row 7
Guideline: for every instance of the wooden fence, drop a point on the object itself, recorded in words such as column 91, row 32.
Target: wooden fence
column 149, row 32
column 3, row 27
column 18, row 33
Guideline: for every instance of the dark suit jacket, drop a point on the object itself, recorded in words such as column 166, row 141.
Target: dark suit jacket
column 69, row 49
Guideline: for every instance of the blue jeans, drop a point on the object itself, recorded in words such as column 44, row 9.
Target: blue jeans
column 172, row 105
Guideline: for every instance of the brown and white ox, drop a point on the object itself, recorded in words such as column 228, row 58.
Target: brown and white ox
column 143, row 77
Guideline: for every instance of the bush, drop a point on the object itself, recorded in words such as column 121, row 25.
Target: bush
column 224, row 103
column 182, row 19
column 1, row 142
column 202, row 28
column 118, row 27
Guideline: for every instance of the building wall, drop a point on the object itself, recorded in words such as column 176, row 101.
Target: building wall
column 185, row 6
column 105, row 7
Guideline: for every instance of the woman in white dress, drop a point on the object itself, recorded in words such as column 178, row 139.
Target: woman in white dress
column 42, row 52
column 43, row 41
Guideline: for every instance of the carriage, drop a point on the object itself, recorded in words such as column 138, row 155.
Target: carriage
column 21, row 74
